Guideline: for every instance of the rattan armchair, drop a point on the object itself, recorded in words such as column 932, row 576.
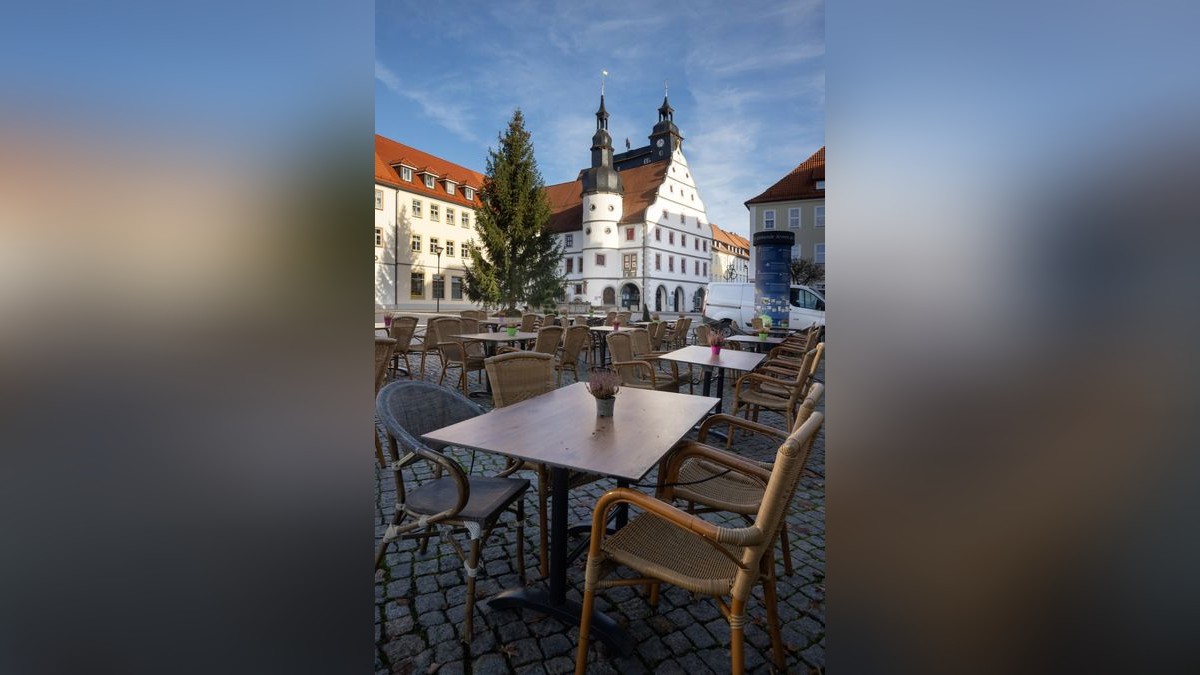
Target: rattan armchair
column 634, row 372
column 640, row 342
column 575, row 339
column 452, row 501
column 666, row 544
column 529, row 322
column 761, row 389
column 384, row 348
column 699, row 475
column 402, row 330
column 454, row 351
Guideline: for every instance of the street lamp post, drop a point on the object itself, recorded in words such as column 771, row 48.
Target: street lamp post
column 438, row 251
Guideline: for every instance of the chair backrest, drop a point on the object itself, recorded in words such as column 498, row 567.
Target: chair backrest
column 702, row 334
column 574, row 338
column 682, row 326
column 610, row 318
column 383, row 356
column 528, row 322
column 620, row 345
column 402, row 330
column 815, row 393
column 789, row 462
column 409, row 408
column 624, row 317
column 548, row 339
column 640, row 341
column 516, row 376
column 812, row 361
column 441, row 328
column 756, row 324
column 658, row 330
column 470, row 324
column 467, row 314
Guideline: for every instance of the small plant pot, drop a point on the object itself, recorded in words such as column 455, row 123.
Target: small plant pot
column 512, row 331
column 716, row 350
column 762, row 336
column 387, row 321
column 604, row 406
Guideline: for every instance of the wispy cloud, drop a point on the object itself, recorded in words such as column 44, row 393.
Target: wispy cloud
column 453, row 116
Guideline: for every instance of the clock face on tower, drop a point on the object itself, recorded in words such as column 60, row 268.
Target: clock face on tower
column 659, row 142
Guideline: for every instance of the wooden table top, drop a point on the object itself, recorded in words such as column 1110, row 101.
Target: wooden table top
column 703, row 356
column 644, row 426
column 755, row 338
column 499, row 336
column 609, row 329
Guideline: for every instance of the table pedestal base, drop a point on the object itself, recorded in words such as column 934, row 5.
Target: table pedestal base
column 568, row 612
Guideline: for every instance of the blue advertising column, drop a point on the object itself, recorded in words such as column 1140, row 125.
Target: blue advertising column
column 773, row 274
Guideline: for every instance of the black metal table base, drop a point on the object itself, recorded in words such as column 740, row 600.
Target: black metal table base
column 569, row 612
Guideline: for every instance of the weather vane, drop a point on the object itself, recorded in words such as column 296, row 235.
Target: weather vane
column 603, row 74
column 664, row 88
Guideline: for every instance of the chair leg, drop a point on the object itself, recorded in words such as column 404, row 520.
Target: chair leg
column 737, row 637
column 472, row 568
column 585, row 627
column 787, row 549
column 543, row 532
column 379, row 453
column 772, row 604
column 521, row 540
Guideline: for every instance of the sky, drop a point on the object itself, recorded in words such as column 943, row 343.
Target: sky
column 746, row 80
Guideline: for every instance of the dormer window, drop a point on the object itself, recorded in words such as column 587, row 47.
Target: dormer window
column 820, row 185
column 406, row 173
column 469, row 193
column 450, row 187
column 428, row 180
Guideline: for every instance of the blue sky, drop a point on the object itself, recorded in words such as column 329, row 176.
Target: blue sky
column 746, row 79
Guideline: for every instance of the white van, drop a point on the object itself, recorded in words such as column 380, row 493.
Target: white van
column 734, row 303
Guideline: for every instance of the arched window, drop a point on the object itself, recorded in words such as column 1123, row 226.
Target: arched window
column 660, row 298
column 698, row 299
column 609, row 297
column 678, row 299
column 630, row 296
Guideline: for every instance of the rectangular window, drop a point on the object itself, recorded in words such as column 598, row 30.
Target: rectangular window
column 798, row 251
column 439, row 285
column 670, row 264
column 696, row 269
column 706, row 246
column 629, row 234
column 671, row 238
column 658, row 261
column 466, row 219
column 428, row 181
column 682, row 218
column 580, row 265
column 570, row 265
column 599, row 260
column 456, row 288
column 769, row 219
column 820, row 216
column 416, row 243
column 450, row 248
column 470, row 193
column 794, row 217
column 379, row 236
column 406, row 173
column 820, row 185
column 819, row 254
column 449, row 216
column 379, row 199
column 578, row 289
column 629, row 262
column 464, row 250
column 665, row 214
column 433, row 245
column 657, row 234
column 418, row 286
column 449, row 188
column 434, row 212
column 683, row 240
column 705, row 269
column 416, row 208
column 569, row 240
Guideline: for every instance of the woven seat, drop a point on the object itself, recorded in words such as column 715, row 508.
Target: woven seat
column 452, row 502
column 697, row 475
column 665, row 544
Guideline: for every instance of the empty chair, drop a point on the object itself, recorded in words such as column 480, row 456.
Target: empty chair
column 610, row 318
column 701, row 332
column 450, row 501
column 636, row 372
column 699, row 475
column 402, row 330
column 453, row 351
column 759, row 390
column 529, row 322
column 624, row 317
column 658, row 331
column 666, row 544
column 574, row 340
column 384, row 348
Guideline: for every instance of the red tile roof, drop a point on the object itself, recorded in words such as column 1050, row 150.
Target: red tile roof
column 728, row 238
column 641, row 184
column 801, row 183
column 389, row 155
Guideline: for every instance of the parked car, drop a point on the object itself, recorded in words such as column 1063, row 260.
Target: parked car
column 730, row 306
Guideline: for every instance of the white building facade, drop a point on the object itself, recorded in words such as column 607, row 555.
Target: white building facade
column 731, row 256
column 796, row 204
column 633, row 227
column 424, row 228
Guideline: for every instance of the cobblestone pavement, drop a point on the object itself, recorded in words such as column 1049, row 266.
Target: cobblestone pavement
column 419, row 598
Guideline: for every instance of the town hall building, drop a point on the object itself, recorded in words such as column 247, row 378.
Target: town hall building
column 633, row 227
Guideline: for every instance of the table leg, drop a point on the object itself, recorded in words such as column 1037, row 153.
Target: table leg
column 554, row 602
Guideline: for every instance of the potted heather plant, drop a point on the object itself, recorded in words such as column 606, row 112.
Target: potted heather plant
column 716, row 341
column 604, row 385
column 766, row 326
column 512, row 318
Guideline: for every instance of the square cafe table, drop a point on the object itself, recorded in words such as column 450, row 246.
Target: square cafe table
column 755, row 340
column 703, row 357
column 644, row 426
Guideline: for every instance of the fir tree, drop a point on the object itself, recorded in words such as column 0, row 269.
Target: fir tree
column 517, row 258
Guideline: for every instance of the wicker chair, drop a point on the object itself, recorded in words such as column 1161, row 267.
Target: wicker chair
column 384, row 348
column 452, row 500
column 529, row 322
column 701, row 332
column 454, row 352
column 658, row 331
column 402, row 330
column 637, row 373
column 624, row 317
column 666, row 544
column 698, row 474
column 761, row 389
column 574, row 340
column 640, row 342
column 610, row 318
column 517, row 376
column 677, row 337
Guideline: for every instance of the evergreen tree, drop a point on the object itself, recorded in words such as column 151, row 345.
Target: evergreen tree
column 517, row 259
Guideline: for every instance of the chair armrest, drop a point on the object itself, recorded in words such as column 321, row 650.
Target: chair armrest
column 739, row 536
column 640, row 364
column 748, row 425
column 686, row 449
